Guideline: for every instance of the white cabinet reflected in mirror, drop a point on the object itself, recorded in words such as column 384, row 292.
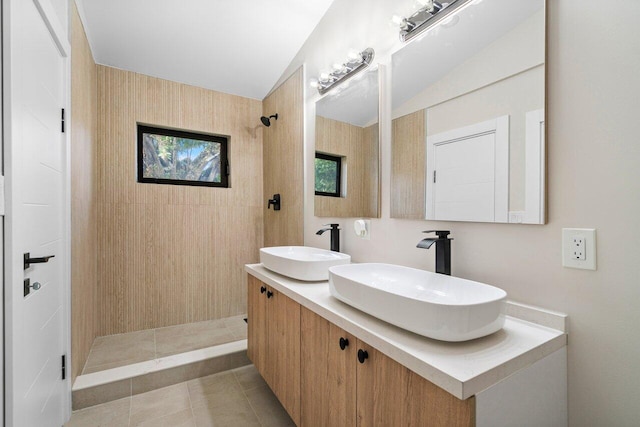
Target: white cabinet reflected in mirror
column 347, row 154
column 468, row 100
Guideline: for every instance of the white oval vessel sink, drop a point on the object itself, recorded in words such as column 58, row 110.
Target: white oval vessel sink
column 302, row 262
column 433, row 305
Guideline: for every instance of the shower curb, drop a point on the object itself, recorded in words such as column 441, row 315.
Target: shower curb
column 117, row 383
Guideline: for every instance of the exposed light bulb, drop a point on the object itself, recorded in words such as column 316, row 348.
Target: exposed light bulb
column 338, row 67
column 354, row 55
column 313, row 83
column 397, row 20
column 432, row 6
column 324, row 78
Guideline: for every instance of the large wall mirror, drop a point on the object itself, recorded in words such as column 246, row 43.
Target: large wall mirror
column 347, row 153
column 468, row 100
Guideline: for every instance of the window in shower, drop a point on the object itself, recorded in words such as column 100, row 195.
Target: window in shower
column 169, row 156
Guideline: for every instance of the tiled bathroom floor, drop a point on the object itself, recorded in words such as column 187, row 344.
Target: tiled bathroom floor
column 124, row 349
column 237, row 398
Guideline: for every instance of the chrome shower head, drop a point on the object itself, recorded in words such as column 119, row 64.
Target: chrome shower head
column 267, row 120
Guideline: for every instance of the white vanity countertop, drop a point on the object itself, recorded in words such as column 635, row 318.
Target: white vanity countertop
column 463, row 369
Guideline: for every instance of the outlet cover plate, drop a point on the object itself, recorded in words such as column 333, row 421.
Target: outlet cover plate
column 362, row 228
column 568, row 247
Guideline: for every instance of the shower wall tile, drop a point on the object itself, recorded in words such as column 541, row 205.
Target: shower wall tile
column 172, row 254
column 283, row 160
column 84, row 198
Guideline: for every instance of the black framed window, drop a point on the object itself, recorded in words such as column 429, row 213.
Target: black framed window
column 327, row 173
column 169, row 156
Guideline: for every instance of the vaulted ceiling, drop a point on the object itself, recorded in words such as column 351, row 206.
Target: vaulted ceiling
column 234, row 46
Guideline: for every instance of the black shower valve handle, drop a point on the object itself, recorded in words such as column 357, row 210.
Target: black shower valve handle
column 275, row 202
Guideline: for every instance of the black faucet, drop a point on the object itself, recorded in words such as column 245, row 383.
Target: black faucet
column 443, row 249
column 335, row 236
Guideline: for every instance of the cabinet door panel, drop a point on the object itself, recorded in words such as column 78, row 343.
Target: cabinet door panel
column 328, row 373
column 256, row 324
column 431, row 406
column 284, row 352
column 390, row 394
column 382, row 390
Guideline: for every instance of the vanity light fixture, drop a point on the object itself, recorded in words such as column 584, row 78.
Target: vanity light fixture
column 356, row 61
column 429, row 15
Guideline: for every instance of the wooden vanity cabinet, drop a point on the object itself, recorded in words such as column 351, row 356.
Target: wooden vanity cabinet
column 339, row 387
column 273, row 322
column 315, row 370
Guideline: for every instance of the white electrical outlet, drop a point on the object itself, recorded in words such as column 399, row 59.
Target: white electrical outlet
column 362, row 228
column 579, row 248
column 579, row 253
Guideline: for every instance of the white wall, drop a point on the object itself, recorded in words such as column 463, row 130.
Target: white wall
column 593, row 59
column 520, row 49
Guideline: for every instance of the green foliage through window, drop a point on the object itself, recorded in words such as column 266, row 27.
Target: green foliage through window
column 327, row 175
column 175, row 157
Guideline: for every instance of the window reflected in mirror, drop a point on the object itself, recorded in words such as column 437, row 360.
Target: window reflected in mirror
column 328, row 171
column 347, row 149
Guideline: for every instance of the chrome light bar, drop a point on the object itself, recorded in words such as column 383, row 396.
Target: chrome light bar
column 342, row 72
column 428, row 16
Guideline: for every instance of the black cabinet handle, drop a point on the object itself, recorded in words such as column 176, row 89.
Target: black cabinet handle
column 362, row 355
column 263, row 289
column 344, row 343
column 269, row 294
column 27, row 260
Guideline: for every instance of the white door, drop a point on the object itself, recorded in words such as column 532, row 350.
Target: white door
column 468, row 173
column 36, row 323
column 534, row 209
column 464, row 181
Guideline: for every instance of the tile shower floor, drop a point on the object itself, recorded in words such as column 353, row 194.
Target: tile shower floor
column 113, row 351
column 237, row 398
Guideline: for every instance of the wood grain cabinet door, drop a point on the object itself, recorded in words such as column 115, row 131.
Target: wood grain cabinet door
column 389, row 394
column 257, row 323
column 274, row 342
column 328, row 373
column 283, row 354
column 382, row 389
column 431, row 406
